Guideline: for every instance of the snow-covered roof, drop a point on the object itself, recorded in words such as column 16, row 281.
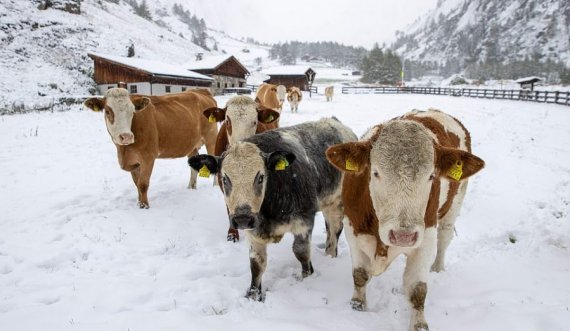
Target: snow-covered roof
column 153, row 67
column 527, row 79
column 210, row 62
column 287, row 70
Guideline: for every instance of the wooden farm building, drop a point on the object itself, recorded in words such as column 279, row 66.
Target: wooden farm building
column 301, row 77
column 144, row 76
column 226, row 70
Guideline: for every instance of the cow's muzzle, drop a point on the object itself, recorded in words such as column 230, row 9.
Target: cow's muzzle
column 403, row 238
column 243, row 222
column 126, row 138
column 243, row 218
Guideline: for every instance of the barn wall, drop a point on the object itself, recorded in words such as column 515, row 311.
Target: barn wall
column 221, row 82
column 289, row 81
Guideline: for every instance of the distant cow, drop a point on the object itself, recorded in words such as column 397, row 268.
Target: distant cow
column 294, row 96
column 329, row 92
column 145, row 128
column 242, row 118
column 274, row 182
column 281, row 95
column 402, row 180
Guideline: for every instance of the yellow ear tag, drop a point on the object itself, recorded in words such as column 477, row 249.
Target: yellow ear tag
column 456, row 171
column 351, row 166
column 281, row 164
column 96, row 108
column 212, row 118
column 269, row 119
column 204, row 172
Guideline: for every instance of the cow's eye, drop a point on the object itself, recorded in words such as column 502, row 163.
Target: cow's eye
column 225, row 180
column 260, row 179
column 431, row 177
column 376, row 174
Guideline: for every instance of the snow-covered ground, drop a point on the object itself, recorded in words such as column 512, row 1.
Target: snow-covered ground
column 77, row 254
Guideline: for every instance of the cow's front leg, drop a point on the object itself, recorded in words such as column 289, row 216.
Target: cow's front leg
column 194, row 173
column 143, row 183
column 415, row 278
column 361, row 276
column 257, row 263
column 302, row 250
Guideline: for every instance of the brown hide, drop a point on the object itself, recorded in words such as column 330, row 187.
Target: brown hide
column 267, row 95
column 171, row 126
column 356, row 193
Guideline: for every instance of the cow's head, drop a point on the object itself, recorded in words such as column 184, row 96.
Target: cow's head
column 244, row 170
column 404, row 167
column 242, row 116
column 119, row 109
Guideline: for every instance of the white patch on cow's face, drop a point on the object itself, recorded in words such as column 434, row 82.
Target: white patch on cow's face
column 244, row 176
column 242, row 114
column 119, row 112
column 401, row 172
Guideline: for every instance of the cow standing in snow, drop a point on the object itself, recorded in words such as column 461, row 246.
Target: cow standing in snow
column 274, row 182
column 329, row 93
column 294, row 96
column 146, row 128
column 241, row 118
column 404, row 179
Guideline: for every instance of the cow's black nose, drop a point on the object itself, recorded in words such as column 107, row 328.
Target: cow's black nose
column 243, row 221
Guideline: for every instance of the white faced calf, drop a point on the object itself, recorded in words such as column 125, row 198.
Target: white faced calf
column 402, row 180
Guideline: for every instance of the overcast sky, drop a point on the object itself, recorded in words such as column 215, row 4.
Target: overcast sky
column 354, row 22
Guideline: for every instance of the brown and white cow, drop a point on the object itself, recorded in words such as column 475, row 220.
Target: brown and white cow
column 242, row 118
column 329, row 93
column 404, row 184
column 281, row 95
column 145, row 128
column 294, row 96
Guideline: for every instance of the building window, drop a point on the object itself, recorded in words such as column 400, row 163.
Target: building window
column 240, row 84
column 226, row 85
column 167, row 89
column 233, row 85
column 133, row 89
column 218, row 84
column 183, row 88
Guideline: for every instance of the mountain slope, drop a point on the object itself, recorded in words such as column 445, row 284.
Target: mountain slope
column 44, row 53
column 495, row 30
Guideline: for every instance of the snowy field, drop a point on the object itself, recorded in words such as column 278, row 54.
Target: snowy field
column 77, row 254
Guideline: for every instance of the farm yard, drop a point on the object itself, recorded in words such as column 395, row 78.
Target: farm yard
column 76, row 253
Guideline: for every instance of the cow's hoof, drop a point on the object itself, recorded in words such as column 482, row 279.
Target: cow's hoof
column 255, row 294
column 420, row 326
column 143, row 205
column 307, row 272
column 437, row 267
column 357, row 305
column 233, row 235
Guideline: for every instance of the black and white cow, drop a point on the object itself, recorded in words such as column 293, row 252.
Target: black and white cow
column 274, row 182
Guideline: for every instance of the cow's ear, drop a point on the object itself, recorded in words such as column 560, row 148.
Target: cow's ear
column 95, row 104
column 140, row 103
column 266, row 115
column 457, row 164
column 215, row 114
column 279, row 160
column 350, row 157
column 204, row 164
column 257, row 101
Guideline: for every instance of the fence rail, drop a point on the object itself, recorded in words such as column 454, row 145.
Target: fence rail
column 557, row 97
column 313, row 89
